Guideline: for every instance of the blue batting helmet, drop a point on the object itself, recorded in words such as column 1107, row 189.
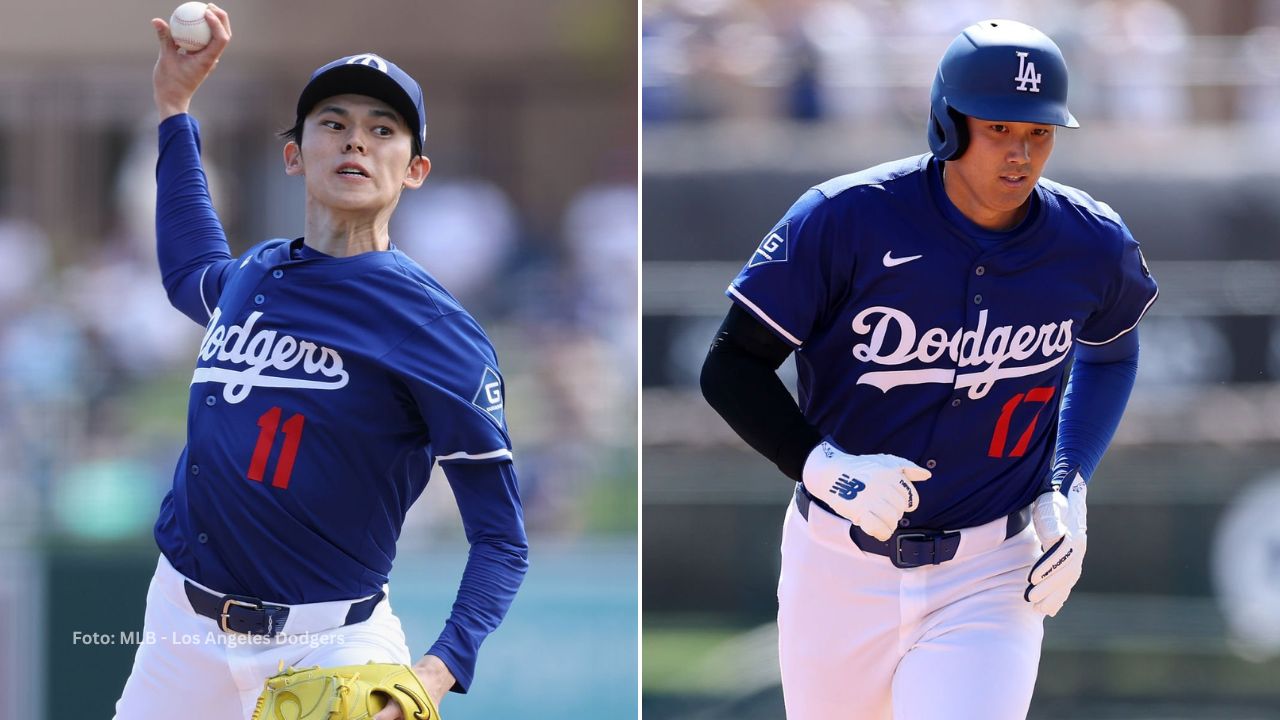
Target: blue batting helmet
column 996, row 70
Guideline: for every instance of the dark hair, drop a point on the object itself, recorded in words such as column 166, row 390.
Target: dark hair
column 293, row 134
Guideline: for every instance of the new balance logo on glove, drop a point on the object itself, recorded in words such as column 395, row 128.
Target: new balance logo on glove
column 847, row 488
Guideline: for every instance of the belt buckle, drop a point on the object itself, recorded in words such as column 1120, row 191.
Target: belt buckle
column 897, row 549
column 226, row 612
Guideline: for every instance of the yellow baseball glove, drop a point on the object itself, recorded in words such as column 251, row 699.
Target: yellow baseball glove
column 350, row 692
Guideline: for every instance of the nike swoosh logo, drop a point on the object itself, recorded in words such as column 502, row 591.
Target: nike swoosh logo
column 890, row 261
column 250, row 258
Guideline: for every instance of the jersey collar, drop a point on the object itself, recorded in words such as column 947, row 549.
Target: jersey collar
column 976, row 234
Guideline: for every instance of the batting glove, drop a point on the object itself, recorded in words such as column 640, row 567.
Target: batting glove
column 1060, row 521
column 871, row 491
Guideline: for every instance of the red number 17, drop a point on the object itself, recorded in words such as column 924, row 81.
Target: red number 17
column 1040, row 395
column 268, row 423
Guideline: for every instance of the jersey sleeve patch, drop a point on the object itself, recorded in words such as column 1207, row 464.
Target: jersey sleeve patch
column 773, row 248
column 489, row 395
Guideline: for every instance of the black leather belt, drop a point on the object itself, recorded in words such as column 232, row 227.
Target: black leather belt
column 251, row 616
column 911, row 548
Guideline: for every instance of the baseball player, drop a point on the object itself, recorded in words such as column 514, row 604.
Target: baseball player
column 941, row 449
column 333, row 372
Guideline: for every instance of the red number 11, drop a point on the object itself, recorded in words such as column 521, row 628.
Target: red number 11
column 268, row 423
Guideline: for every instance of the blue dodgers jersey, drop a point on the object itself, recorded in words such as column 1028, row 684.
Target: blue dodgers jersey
column 324, row 390
column 921, row 335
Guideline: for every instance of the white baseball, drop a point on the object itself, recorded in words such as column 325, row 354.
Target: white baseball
column 188, row 27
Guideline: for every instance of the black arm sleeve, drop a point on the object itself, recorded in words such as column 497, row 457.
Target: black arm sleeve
column 740, row 380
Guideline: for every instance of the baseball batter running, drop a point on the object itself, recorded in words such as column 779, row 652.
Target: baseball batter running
column 334, row 371
column 941, row 448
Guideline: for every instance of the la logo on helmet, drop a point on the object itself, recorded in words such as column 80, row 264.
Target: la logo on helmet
column 1027, row 74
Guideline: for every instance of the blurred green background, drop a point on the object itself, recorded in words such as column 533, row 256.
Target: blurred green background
column 529, row 217
column 747, row 103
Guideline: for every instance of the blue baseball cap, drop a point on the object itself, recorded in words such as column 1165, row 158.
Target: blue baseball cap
column 376, row 77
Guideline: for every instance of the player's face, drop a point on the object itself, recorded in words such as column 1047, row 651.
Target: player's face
column 356, row 155
column 992, row 180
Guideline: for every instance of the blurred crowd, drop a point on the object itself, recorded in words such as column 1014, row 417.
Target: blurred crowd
column 95, row 363
column 1140, row 61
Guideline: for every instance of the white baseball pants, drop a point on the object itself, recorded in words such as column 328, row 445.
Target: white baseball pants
column 187, row 667
column 859, row 639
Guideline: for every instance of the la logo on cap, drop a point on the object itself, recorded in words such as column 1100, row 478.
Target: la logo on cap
column 369, row 59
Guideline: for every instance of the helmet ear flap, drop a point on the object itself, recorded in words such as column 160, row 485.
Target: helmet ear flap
column 960, row 132
column 948, row 135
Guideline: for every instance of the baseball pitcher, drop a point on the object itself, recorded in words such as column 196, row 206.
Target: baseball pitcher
column 333, row 373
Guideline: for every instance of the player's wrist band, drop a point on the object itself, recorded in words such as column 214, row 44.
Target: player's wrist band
column 909, row 547
column 251, row 616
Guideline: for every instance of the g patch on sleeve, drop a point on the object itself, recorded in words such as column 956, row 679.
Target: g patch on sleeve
column 773, row 248
column 489, row 396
